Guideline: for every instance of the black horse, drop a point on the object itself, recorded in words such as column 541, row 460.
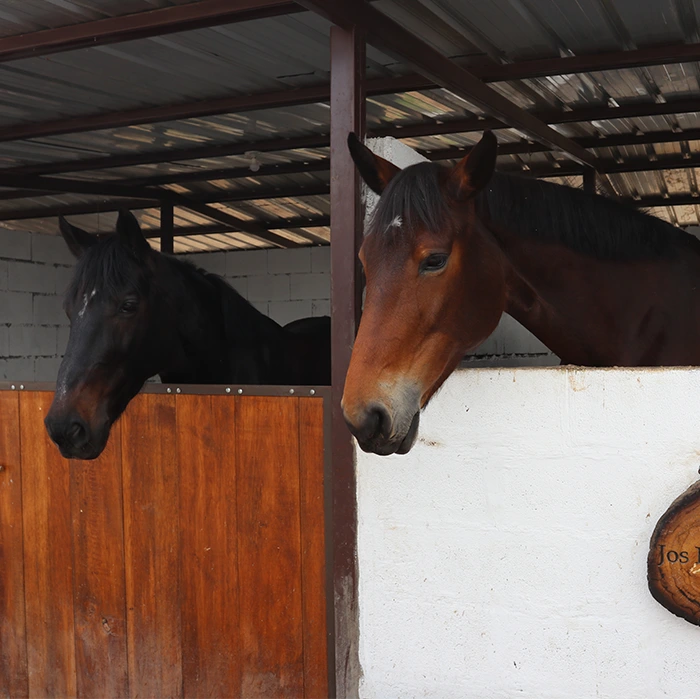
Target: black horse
column 136, row 313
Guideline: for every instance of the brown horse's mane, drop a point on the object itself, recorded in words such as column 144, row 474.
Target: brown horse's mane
column 536, row 209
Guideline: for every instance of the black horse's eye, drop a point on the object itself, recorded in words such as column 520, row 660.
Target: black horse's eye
column 128, row 306
column 434, row 262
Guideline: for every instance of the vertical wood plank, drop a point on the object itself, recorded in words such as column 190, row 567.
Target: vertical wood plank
column 267, row 434
column 313, row 548
column 13, row 643
column 209, row 559
column 98, row 573
column 47, row 555
column 151, row 546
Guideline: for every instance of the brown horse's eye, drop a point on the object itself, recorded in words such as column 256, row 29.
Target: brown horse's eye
column 128, row 307
column 434, row 262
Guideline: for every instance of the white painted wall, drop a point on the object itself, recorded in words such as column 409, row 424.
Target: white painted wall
column 506, row 554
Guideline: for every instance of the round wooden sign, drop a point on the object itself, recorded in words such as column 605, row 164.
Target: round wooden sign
column 673, row 565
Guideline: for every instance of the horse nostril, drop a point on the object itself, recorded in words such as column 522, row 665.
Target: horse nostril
column 377, row 423
column 77, row 433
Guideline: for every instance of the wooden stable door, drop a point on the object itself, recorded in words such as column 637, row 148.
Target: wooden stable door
column 188, row 560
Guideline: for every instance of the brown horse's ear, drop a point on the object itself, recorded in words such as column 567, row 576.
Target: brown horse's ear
column 78, row 240
column 129, row 232
column 474, row 171
column 375, row 171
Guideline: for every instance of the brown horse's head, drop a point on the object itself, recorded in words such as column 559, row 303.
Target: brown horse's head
column 435, row 290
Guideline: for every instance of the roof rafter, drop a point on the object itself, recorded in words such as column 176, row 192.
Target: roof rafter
column 488, row 72
column 135, row 191
column 141, row 25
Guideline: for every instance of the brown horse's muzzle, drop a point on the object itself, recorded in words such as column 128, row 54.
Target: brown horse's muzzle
column 380, row 429
column 75, row 436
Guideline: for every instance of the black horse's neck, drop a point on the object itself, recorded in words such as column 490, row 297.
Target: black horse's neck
column 216, row 335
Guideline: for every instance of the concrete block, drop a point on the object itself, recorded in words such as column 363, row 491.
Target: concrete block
column 64, row 275
column 283, row 260
column 211, row 262
column 51, row 249
column 321, row 259
column 32, row 340
column 48, row 310
column 17, row 369
column 46, row 369
column 321, row 307
column 261, row 306
column 268, row 288
column 245, row 263
column 240, row 284
column 4, row 341
column 286, row 311
column 32, row 277
column 63, row 334
column 312, row 285
column 15, row 307
column 15, row 245
column 3, row 274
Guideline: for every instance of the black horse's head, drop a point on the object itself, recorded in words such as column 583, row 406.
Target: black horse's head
column 116, row 320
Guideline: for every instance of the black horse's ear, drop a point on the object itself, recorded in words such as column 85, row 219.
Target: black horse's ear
column 374, row 170
column 130, row 234
column 78, row 240
column 474, row 171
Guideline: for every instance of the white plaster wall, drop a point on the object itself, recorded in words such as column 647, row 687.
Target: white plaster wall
column 506, row 554
column 511, row 343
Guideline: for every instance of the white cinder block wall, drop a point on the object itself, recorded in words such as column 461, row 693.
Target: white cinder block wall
column 506, row 554
column 35, row 270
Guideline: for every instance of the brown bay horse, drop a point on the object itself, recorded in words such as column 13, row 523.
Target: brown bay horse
column 449, row 250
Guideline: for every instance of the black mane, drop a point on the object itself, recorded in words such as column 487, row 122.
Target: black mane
column 415, row 198
column 581, row 221
column 108, row 266
column 587, row 223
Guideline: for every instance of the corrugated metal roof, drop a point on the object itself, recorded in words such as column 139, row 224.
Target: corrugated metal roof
column 293, row 51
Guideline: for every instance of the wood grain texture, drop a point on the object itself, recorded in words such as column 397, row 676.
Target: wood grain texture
column 152, row 546
column 206, row 440
column 313, row 548
column 98, row 573
column 673, row 564
column 48, row 569
column 13, row 643
column 269, row 536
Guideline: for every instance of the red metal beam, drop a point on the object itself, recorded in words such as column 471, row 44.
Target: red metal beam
column 107, row 205
column 298, row 222
column 149, row 115
column 167, row 20
column 252, row 228
column 171, row 155
column 347, row 114
column 607, row 166
column 381, row 86
column 426, row 128
column 166, row 228
column 133, row 191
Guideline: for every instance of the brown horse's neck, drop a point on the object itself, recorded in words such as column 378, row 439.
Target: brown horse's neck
column 589, row 311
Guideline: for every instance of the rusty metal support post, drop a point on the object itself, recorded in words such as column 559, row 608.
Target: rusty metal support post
column 589, row 180
column 347, row 114
column 167, row 244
